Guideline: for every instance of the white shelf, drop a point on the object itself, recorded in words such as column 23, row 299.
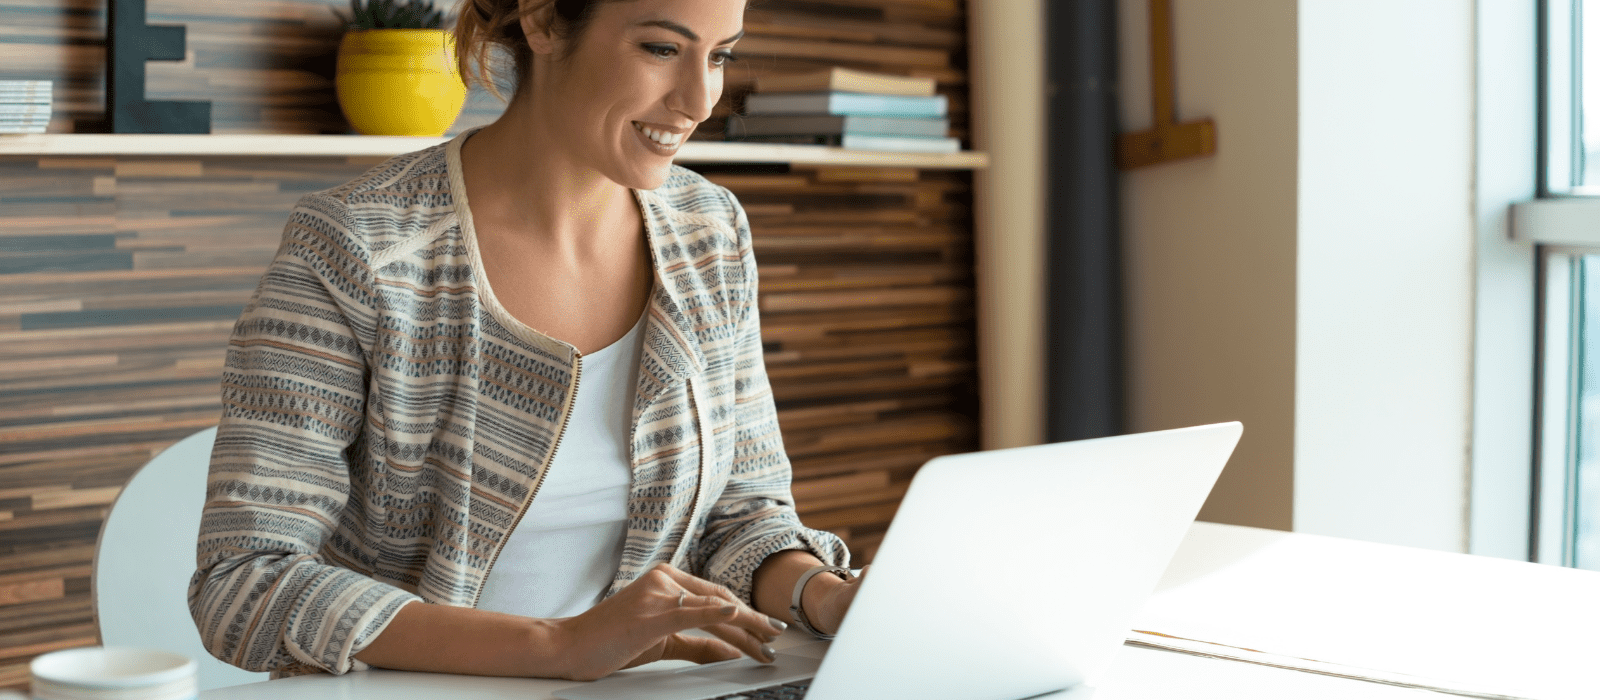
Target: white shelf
column 336, row 146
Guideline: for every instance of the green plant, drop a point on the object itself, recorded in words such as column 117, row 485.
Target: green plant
column 388, row 14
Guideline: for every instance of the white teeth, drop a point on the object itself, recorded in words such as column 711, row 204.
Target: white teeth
column 660, row 137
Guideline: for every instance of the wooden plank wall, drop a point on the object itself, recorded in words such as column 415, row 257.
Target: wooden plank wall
column 120, row 277
column 867, row 315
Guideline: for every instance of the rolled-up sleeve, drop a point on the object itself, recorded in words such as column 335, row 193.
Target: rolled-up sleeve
column 754, row 516
column 294, row 392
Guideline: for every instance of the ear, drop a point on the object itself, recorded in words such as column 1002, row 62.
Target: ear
column 537, row 16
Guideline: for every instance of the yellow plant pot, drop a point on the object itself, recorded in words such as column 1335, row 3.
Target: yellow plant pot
column 399, row 82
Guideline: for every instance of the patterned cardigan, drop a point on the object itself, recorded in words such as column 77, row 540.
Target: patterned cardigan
column 386, row 423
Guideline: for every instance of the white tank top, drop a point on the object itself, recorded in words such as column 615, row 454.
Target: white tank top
column 564, row 553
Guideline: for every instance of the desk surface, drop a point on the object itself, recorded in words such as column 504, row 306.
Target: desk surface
column 1135, row 674
column 1351, row 602
column 1439, row 619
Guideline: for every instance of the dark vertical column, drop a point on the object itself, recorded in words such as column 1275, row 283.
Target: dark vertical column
column 129, row 43
column 1083, row 304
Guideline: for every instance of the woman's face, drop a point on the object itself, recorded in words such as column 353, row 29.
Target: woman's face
column 641, row 65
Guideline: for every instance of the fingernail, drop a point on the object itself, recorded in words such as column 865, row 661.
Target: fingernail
column 769, row 653
column 778, row 624
column 728, row 610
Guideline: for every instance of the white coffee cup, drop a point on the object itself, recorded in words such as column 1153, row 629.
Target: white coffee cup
column 114, row 673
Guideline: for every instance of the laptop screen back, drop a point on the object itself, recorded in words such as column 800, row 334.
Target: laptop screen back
column 1010, row 573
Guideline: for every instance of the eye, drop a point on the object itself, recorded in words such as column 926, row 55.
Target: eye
column 723, row 58
column 661, row 50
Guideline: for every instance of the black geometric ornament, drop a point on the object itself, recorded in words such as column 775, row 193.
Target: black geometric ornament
column 129, row 43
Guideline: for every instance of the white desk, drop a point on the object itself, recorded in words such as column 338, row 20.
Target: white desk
column 1214, row 587
column 1136, row 674
column 1444, row 620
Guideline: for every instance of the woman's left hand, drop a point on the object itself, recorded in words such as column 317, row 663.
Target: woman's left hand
column 836, row 602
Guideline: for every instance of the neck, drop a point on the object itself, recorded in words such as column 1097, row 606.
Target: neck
column 523, row 177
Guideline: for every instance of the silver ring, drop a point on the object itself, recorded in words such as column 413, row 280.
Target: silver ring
column 681, row 595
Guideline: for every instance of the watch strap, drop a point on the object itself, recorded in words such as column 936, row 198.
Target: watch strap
column 795, row 609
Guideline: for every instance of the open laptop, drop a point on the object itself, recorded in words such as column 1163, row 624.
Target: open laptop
column 1005, row 574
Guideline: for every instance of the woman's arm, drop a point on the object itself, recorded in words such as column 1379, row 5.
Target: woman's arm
column 825, row 600
column 640, row 624
column 753, row 541
column 293, row 400
column 445, row 639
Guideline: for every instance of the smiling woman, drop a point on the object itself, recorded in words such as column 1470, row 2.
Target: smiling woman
column 645, row 64
column 407, row 474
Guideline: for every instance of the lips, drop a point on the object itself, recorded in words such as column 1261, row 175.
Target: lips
column 659, row 136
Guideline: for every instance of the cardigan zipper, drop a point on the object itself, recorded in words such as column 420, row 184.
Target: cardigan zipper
column 549, row 460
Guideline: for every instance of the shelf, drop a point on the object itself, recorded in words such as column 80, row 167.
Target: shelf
column 383, row 146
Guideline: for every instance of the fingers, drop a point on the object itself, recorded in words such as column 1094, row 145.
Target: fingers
column 758, row 625
column 756, row 646
column 700, row 650
column 703, row 601
column 691, row 616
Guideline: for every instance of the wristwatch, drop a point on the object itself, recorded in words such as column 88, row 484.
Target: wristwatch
column 800, row 586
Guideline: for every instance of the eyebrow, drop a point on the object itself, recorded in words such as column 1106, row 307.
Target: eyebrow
column 674, row 26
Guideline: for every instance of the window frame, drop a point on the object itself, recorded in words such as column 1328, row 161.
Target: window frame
column 1560, row 224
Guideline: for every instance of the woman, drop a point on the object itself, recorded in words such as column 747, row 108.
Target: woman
column 407, row 475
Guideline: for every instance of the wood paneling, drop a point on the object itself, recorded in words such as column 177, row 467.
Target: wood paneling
column 120, row 280
column 269, row 67
column 120, row 277
column 265, row 67
column 867, row 315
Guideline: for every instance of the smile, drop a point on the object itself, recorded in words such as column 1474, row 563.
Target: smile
column 659, row 141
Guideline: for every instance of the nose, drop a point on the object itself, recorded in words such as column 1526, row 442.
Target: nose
column 697, row 91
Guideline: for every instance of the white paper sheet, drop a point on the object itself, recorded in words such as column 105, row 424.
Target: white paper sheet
column 1490, row 626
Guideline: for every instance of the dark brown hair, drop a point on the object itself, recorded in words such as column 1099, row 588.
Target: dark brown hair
column 482, row 25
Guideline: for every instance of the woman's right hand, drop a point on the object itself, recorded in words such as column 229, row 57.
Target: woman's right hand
column 643, row 623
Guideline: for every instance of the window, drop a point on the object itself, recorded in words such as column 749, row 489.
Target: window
column 1565, row 224
column 1569, row 456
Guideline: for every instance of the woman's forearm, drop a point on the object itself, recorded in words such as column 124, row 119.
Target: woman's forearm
column 774, row 585
column 447, row 639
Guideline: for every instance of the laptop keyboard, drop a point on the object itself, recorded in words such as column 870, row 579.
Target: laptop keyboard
column 783, row 691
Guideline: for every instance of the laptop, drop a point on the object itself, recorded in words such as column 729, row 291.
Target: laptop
column 1006, row 574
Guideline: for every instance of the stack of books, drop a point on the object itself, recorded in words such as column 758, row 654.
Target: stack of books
column 24, row 106
column 847, row 108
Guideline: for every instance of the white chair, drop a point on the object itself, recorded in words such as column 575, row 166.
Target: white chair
column 145, row 557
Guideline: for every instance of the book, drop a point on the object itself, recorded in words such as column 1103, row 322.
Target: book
column 846, row 103
column 17, row 110
column 867, row 142
column 847, row 80
column 740, row 126
column 22, row 129
column 908, row 144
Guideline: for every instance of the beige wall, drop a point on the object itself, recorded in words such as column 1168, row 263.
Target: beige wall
column 1209, row 247
column 1007, row 75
